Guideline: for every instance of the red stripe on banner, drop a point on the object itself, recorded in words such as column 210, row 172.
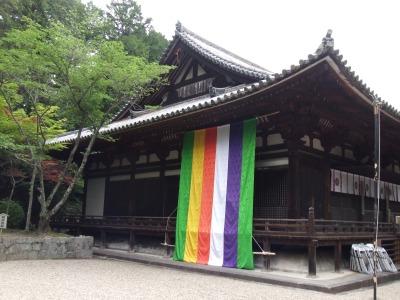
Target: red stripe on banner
column 207, row 196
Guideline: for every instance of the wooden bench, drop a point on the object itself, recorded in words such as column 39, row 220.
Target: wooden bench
column 266, row 259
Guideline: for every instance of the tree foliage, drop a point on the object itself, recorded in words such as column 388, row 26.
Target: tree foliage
column 43, row 69
column 14, row 211
column 43, row 12
column 65, row 65
column 122, row 22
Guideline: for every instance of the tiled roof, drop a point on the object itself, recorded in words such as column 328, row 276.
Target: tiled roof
column 165, row 113
column 325, row 51
column 216, row 54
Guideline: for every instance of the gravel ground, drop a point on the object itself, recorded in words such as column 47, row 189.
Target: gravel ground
column 112, row 279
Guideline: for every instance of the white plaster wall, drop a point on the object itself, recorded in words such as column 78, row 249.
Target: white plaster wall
column 336, row 151
column 284, row 161
column 125, row 162
column 306, row 139
column 173, row 155
column 274, row 139
column 142, row 159
column 317, row 145
column 200, row 71
column 172, row 172
column 147, row 175
column 120, row 177
column 153, row 158
column 180, row 77
column 95, row 196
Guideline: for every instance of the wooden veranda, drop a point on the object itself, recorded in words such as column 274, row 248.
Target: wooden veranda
column 309, row 232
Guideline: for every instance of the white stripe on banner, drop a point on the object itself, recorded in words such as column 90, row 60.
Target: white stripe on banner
column 344, row 182
column 372, row 187
column 386, row 191
column 362, row 186
column 398, row 193
column 332, row 180
column 350, row 183
column 390, row 192
column 356, row 181
column 382, row 190
column 367, row 185
column 337, row 181
column 219, row 199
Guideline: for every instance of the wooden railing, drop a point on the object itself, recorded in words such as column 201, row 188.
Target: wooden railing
column 303, row 227
column 261, row 227
column 161, row 224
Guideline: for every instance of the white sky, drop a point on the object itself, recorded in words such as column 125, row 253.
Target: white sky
column 277, row 34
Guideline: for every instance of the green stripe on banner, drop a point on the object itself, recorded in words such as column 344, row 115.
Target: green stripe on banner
column 245, row 224
column 184, row 195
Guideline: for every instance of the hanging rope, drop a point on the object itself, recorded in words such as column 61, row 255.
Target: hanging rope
column 166, row 228
column 262, row 252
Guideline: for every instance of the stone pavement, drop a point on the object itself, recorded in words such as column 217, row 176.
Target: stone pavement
column 327, row 282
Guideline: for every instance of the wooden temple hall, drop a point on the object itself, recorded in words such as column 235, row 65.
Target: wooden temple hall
column 314, row 152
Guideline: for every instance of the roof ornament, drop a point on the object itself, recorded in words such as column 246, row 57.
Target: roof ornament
column 178, row 26
column 327, row 42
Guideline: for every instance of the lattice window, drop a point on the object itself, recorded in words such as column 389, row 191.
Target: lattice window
column 270, row 194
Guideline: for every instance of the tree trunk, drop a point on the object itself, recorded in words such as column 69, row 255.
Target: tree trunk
column 29, row 211
column 44, row 225
column 13, row 183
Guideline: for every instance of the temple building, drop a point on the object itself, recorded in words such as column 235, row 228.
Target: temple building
column 314, row 151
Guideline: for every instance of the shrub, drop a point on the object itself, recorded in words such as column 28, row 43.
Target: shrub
column 16, row 215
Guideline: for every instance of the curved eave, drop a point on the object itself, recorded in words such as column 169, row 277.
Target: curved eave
column 328, row 56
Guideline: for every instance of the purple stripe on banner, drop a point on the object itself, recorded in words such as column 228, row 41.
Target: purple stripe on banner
column 233, row 196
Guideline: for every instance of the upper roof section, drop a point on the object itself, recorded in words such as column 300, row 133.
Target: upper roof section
column 201, row 68
column 215, row 54
column 325, row 54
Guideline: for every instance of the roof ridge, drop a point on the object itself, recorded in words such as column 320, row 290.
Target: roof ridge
column 182, row 29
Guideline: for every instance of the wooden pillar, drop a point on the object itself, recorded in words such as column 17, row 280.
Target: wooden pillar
column 312, row 244
column 293, row 186
column 266, row 248
column 132, row 158
column 312, row 257
column 167, row 246
column 107, row 161
column 132, row 241
column 338, row 256
column 85, row 185
column 163, row 186
column 311, row 221
column 327, row 197
column 103, row 239
column 162, row 155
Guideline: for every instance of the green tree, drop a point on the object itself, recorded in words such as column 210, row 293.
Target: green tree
column 51, row 68
column 128, row 25
column 12, row 13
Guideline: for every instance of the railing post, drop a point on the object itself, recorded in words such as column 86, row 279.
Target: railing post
column 311, row 221
column 312, row 257
column 338, row 255
column 168, row 242
column 103, row 239
column 266, row 248
column 312, row 244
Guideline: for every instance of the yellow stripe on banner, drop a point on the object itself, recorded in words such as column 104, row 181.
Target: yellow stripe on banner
column 195, row 198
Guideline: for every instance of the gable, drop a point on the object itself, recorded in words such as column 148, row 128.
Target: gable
column 202, row 68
